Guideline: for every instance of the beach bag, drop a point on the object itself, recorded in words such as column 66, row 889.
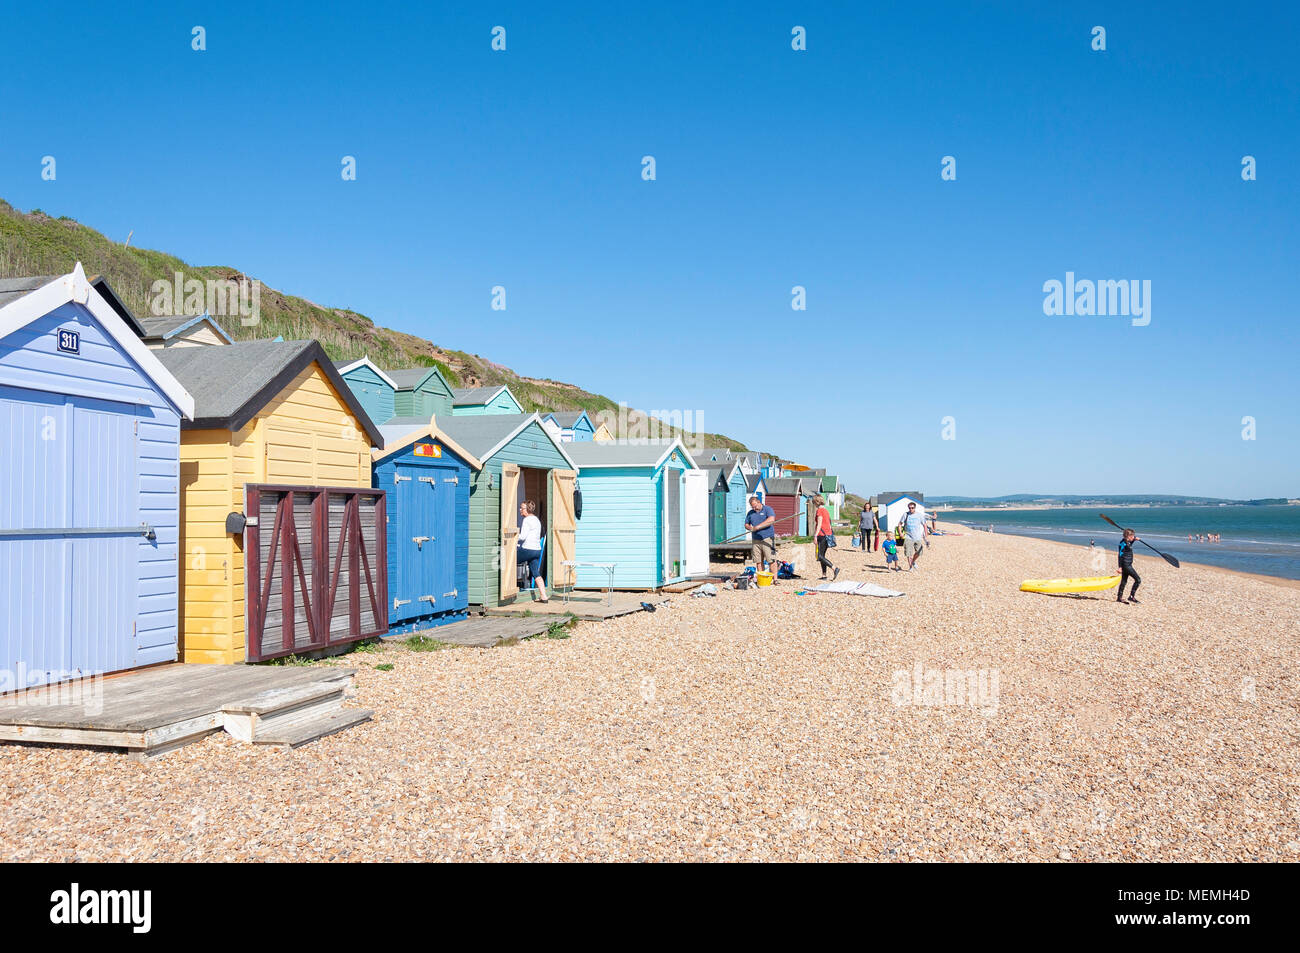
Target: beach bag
column 785, row 570
column 857, row 542
column 830, row 541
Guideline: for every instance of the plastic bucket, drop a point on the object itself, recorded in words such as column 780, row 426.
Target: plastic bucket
column 764, row 578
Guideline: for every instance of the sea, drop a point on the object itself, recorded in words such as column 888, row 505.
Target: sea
column 1258, row 539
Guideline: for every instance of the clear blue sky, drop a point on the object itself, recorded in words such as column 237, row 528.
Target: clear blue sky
column 775, row 168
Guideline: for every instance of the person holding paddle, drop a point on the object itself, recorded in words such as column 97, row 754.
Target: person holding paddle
column 1126, row 567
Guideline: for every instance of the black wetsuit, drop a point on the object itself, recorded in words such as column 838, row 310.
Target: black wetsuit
column 1126, row 570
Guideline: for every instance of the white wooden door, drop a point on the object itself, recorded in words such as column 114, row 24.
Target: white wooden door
column 697, row 522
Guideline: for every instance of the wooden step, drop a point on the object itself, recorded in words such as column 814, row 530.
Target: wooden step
column 278, row 710
column 309, row 730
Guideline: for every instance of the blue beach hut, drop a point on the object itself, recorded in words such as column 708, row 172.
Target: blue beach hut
column 89, row 485
column 373, row 389
column 728, row 502
column 427, row 476
column 645, row 509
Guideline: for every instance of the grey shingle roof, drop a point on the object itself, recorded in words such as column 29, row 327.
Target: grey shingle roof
column 159, row 328
column 232, row 384
column 566, row 418
column 478, row 435
column 615, row 453
column 11, row 289
column 461, row 396
column 410, row 377
column 752, row 481
column 783, row 486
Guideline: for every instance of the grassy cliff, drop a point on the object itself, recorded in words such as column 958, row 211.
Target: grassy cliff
column 33, row 243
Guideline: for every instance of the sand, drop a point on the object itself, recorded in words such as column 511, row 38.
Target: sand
column 764, row 726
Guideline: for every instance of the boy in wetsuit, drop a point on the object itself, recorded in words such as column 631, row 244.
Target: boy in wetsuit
column 1126, row 567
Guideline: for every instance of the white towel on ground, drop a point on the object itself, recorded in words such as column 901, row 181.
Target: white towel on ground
column 851, row 588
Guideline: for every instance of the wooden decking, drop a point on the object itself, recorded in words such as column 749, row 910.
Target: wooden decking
column 586, row 604
column 484, row 632
column 156, row 710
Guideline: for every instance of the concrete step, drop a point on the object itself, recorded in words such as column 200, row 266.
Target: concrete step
column 309, row 730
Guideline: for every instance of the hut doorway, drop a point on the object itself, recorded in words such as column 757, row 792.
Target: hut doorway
column 672, row 523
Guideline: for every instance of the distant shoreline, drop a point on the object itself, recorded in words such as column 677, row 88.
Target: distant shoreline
column 995, row 507
column 1140, row 557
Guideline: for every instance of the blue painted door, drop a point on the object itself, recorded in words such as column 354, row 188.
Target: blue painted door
column 404, row 577
column 427, row 541
column 69, row 550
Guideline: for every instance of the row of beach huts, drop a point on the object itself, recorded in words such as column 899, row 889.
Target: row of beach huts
column 167, row 493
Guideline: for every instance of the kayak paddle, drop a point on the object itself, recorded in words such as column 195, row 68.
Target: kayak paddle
column 1165, row 556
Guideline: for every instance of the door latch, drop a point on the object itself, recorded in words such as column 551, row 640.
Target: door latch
column 420, row 540
column 428, row 599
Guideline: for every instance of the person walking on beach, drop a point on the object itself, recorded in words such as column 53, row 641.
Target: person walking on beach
column 824, row 537
column 914, row 533
column 1126, row 567
column 869, row 526
column 530, row 545
column 760, row 522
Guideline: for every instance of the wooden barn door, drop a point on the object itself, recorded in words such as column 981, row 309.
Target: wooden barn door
column 509, row 581
column 316, row 568
column 564, row 527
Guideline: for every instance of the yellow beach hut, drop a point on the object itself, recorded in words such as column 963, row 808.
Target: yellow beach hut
column 273, row 415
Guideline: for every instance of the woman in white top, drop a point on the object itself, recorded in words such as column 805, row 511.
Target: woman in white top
column 530, row 544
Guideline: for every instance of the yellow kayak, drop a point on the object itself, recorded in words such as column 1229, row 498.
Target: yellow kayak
column 1082, row 584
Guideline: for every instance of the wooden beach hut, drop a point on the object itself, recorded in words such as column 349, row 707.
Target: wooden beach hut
column 785, row 496
column 602, row 433
column 89, row 507
column 421, row 392
column 728, row 502
column 427, row 476
column 571, row 426
column 519, row 461
column 644, row 508
column 755, row 485
column 282, row 534
column 479, row 401
column 183, row 330
column 893, row 504
column 373, row 389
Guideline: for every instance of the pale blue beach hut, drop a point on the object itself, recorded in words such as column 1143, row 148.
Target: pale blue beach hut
column 89, row 485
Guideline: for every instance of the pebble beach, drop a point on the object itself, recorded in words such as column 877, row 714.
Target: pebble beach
column 965, row 721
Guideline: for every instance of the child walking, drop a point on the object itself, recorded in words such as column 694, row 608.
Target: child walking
column 891, row 555
column 1126, row 567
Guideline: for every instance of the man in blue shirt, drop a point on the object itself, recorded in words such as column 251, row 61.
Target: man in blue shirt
column 760, row 521
column 915, row 529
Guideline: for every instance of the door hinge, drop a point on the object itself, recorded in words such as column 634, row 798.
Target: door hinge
column 398, row 603
column 450, row 595
column 454, row 479
column 398, row 478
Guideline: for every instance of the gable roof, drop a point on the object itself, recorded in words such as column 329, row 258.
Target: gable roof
column 623, row 453
column 344, row 366
column 400, row 432
column 784, row 486
column 567, row 419
column 21, row 303
column 483, row 436
column 893, row 496
column 409, row 378
column 752, row 480
column 232, row 384
column 470, row 396
column 830, row 484
column 165, row 327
